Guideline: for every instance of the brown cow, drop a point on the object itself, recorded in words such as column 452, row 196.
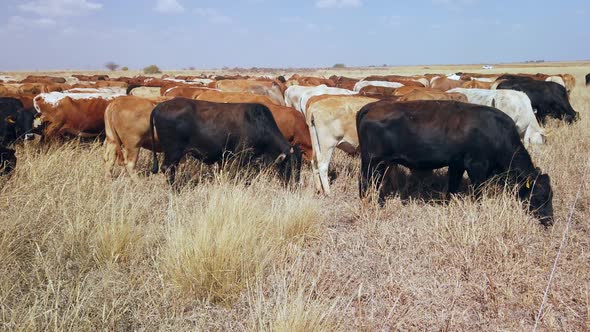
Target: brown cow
column 291, row 123
column 80, row 114
column 443, row 83
column 275, row 90
column 43, row 79
column 93, row 78
column 406, row 81
column 190, row 92
column 311, row 81
column 431, row 94
column 478, row 85
column 473, row 76
column 344, row 82
column 377, row 91
column 127, row 129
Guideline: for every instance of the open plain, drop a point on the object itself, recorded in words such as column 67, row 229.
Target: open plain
column 235, row 250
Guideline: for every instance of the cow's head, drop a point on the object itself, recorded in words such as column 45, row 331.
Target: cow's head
column 289, row 164
column 24, row 123
column 537, row 189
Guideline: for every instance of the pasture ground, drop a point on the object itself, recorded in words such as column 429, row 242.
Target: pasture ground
column 237, row 251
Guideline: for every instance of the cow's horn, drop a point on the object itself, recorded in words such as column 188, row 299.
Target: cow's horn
column 280, row 158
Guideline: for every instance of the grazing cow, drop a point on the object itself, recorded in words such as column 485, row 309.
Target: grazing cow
column 432, row 94
column 298, row 96
column 212, row 131
column 331, row 121
column 291, row 123
column 127, row 129
column 379, row 91
column 273, row 89
column 588, row 80
column 145, row 92
column 416, row 81
column 478, row 77
column 92, row 78
column 515, row 104
column 79, row 114
column 191, row 81
column 475, row 84
column 43, row 79
column 426, row 135
column 31, row 88
column 362, row 84
column 294, row 93
column 446, row 83
column 344, row 82
column 566, row 80
column 321, row 90
column 310, row 81
column 7, row 160
column 547, row 98
column 16, row 122
column 186, row 91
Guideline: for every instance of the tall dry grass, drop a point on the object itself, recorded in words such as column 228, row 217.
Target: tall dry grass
column 230, row 251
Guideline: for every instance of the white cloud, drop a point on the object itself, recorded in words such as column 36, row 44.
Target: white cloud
column 53, row 8
column 168, row 6
column 338, row 3
column 213, row 15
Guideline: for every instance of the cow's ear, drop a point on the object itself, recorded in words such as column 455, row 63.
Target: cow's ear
column 10, row 119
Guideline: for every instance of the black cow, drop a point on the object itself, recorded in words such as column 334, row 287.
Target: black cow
column 16, row 122
column 209, row 131
column 7, row 160
column 588, row 80
column 547, row 98
column 426, row 135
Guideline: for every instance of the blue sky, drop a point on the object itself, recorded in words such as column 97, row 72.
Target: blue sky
column 84, row 34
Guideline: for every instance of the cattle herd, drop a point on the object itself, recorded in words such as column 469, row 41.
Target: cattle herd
column 481, row 124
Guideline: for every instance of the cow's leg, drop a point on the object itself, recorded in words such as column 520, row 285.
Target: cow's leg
column 171, row 161
column 364, row 179
column 456, row 172
column 478, row 170
column 110, row 157
column 317, row 152
column 324, row 164
column 131, row 155
column 372, row 174
column 323, row 146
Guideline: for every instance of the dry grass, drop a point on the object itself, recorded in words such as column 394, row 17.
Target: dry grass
column 235, row 252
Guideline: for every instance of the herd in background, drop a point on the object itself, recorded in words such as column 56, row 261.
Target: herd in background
column 475, row 123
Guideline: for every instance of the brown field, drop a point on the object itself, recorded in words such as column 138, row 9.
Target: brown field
column 237, row 251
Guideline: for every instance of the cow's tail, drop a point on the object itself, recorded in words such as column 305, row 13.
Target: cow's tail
column 155, row 165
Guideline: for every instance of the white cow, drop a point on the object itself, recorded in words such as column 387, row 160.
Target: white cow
column 515, row 104
column 454, row 77
column 557, row 79
column 361, row 84
column 332, row 123
column 307, row 94
column 293, row 95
